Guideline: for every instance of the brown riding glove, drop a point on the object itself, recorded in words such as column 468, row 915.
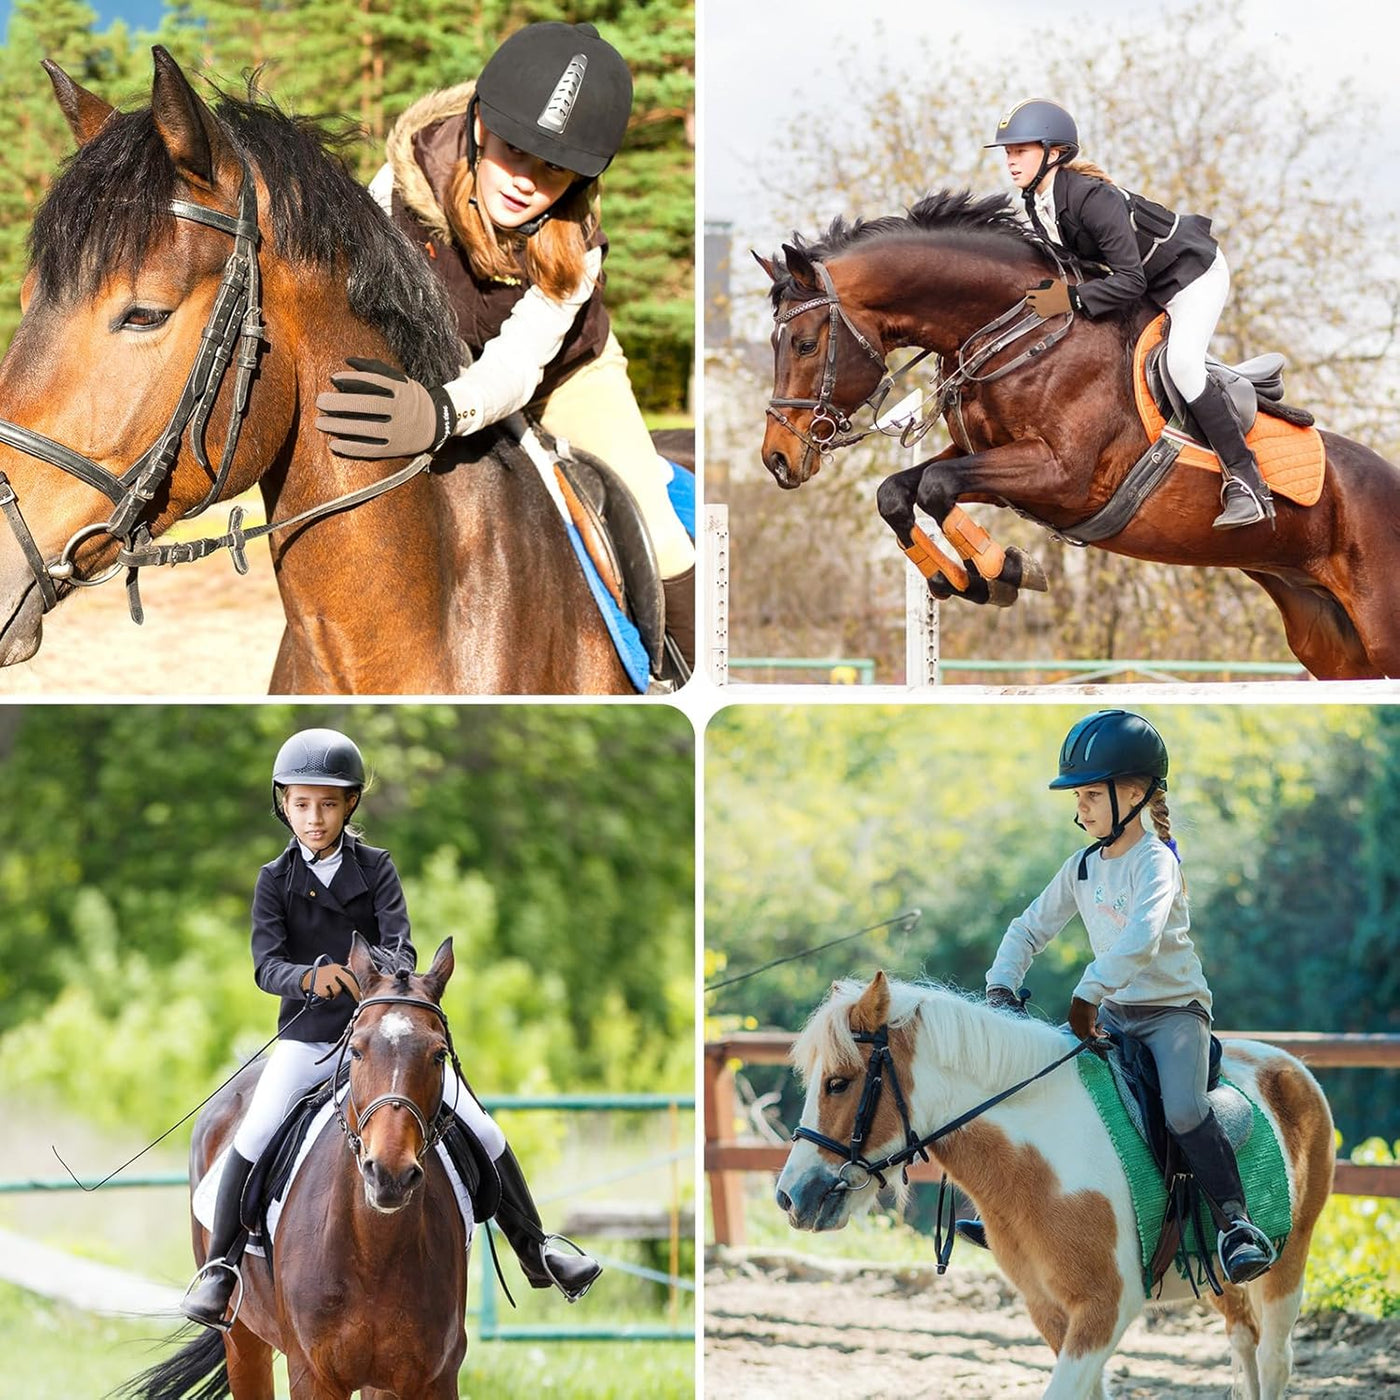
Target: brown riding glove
column 329, row 980
column 380, row 412
column 1051, row 298
column 1083, row 1019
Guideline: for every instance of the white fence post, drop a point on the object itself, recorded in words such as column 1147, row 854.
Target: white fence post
column 717, row 590
column 920, row 631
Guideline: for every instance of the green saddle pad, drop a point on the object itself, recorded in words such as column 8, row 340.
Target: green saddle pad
column 1261, row 1171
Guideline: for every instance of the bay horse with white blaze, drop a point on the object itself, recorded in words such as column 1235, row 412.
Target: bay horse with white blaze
column 1040, row 1166
column 367, row 1287
column 1054, row 437
column 196, row 275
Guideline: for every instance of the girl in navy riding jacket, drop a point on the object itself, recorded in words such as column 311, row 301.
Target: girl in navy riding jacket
column 309, row 903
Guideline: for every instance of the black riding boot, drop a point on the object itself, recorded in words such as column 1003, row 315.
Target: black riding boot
column 1244, row 495
column 1245, row 1251
column 207, row 1298
column 571, row 1274
column 680, row 616
column 973, row 1231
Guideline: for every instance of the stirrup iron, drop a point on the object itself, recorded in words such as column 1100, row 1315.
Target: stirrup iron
column 554, row 1279
column 237, row 1298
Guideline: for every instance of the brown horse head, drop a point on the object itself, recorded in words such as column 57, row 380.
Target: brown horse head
column 828, row 362
column 397, row 1046
column 168, row 224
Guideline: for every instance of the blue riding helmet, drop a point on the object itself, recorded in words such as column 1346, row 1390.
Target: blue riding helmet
column 1111, row 744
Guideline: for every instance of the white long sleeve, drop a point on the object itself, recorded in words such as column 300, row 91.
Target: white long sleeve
column 512, row 363
column 1029, row 932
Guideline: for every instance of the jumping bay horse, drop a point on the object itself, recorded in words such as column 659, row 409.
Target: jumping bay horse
column 196, row 275
column 1040, row 1166
column 1055, row 436
column 367, row 1287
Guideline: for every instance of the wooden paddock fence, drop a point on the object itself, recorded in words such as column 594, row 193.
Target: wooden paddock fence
column 727, row 1158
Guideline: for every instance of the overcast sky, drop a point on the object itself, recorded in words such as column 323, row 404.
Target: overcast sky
column 752, row 73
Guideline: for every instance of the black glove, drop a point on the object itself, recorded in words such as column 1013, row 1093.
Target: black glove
column 380, row 412
column 1004, row 999
column 1050, row 298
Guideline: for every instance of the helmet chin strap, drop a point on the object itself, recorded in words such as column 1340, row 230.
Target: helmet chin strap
column 1120, row 824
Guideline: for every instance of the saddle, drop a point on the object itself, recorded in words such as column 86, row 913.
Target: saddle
column 1253, row 386
column 609, row 520
column 272, row 1172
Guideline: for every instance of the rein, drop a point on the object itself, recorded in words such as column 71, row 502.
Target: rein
column 235, row 323
column 914, row 1146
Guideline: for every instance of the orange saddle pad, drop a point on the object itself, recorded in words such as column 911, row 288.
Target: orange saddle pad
column 1291, row 458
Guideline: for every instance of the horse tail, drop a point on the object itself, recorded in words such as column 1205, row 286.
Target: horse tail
column 201, row 1363
column 1299, row 417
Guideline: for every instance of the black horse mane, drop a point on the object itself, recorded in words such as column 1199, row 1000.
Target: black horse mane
column 111, row 200
column 970, row 220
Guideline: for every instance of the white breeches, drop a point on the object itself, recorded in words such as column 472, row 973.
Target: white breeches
column 292, row 1070
column 1195, row 311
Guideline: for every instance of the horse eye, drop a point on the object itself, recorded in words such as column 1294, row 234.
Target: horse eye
column 143, row 318
column 355, row 1054
column 440, row 1058
column 806, row 347
column 837, row 1085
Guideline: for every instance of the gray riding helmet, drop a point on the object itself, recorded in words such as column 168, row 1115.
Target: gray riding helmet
column 559, row 92
column 319, row 757
column 1036, row 122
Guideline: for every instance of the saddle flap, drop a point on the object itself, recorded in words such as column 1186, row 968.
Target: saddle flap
column 585, row 497
column 630, row 545
column 1243, row 392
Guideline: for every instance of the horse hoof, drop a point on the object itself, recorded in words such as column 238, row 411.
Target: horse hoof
column 940, row 588
column 1023, row 571
column 1001, row 594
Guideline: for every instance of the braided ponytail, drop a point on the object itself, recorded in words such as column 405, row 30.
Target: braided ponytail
column 1162, row 824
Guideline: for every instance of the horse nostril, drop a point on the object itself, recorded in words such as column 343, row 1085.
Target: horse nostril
column 410, row 1179
column 784, row 1200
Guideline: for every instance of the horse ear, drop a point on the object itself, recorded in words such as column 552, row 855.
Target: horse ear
column 799, row 265
column 360, row 961
column 436, row 977
column 85, row 112
column 765, row 263
column 190, row 131
column 873, row 1009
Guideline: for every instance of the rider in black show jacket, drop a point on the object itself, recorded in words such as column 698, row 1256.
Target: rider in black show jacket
column 297, row 919
column 1096, row 225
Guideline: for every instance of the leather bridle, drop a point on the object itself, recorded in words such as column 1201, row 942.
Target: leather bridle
column 430, row 1126
column 880, row 1064
column 235, row 324
column 830, row 427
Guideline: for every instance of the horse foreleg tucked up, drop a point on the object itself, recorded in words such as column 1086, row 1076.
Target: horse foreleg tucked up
column 982, row 571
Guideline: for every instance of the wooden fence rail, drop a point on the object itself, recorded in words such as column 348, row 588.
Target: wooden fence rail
column 727, row 1159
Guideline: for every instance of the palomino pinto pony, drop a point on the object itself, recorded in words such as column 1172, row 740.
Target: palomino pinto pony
column 1040, row 1167
column 367, row 1288
column 1055, row 436
column 197, row 274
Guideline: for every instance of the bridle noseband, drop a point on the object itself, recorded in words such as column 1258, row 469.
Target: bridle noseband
column 431, row 1128
column 235, row 322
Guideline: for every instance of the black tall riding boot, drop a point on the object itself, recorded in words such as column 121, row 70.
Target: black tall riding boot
column 571, row 1274
column 207, row 1298
column 1244, row 495
column 1245, row 1251
column 680, row 616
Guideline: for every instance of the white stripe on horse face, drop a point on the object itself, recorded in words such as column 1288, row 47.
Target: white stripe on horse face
column 394, row 1027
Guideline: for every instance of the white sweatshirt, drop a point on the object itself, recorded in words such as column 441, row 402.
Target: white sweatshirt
column 1134, row 908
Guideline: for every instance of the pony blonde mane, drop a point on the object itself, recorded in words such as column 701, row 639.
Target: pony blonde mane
column 958, row 1033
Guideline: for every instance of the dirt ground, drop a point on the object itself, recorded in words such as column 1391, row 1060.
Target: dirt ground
column 794, row 1328
column 208, row 631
